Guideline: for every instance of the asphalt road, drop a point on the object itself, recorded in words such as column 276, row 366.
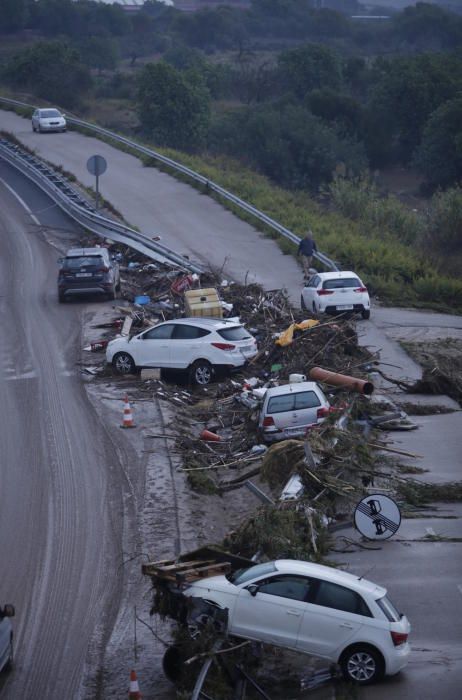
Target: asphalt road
column 60, row 531
column 423, row 577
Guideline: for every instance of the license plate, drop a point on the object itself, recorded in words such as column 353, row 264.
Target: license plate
column 83, row 274
column 345, row 307
column 293, row 431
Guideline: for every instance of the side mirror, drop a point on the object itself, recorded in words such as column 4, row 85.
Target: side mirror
column 253, row 589
column 60, row 261
column 8, row 610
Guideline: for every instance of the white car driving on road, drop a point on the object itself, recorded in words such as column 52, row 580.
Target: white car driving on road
column 316, row 610
column 336, row 293
column 202, row 345
column 48, row 120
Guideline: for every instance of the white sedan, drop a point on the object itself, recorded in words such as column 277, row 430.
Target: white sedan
column 48, row 120
column 316, row 610
column 335, row 293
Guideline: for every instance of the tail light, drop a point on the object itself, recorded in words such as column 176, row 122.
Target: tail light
column 399, row 638
column 224, row 346
column 324, row 292
column 322, row 412
column 268, row 421
column 361, row 289
column 102, row 269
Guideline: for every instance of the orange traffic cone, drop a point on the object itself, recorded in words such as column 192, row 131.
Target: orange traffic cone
column 128, row 418
column 134, row 689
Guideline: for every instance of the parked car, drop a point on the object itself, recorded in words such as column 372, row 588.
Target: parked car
column 202, row 345
column 88, row 271
column 313, row 609
column 291, row 409
column 335, row 293
column 6, row 637
column 48, row 120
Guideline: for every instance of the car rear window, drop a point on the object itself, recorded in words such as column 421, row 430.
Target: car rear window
column 342, row 283
column 234, row 333
column 87, row 261
column 388, row 609
column 292, row 402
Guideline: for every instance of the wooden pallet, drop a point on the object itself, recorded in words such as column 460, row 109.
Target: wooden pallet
column 172, row 571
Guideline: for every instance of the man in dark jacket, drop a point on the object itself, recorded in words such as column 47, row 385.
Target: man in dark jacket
column 306, row 248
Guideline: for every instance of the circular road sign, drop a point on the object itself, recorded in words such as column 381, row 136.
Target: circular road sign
column 377, row 517
column 96, row 165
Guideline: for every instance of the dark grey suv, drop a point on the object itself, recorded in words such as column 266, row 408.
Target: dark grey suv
column 88, row 271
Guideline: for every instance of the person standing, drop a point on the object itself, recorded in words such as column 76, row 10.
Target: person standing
column 306, row 248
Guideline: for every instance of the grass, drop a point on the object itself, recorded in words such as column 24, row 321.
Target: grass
column 372, row 244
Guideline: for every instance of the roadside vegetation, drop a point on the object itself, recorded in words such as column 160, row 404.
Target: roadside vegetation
column 294, row 109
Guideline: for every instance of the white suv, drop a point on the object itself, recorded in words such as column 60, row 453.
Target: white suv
column 202, row 345
column 335, row 293
column 316, row 610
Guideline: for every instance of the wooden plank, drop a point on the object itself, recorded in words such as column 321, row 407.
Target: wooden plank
column 186, row 564
column 203, row 571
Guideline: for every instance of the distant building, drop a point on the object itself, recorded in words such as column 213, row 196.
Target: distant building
column 193, row 5
column 130, row 5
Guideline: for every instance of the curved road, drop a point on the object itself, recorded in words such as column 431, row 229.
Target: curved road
column 59, row 537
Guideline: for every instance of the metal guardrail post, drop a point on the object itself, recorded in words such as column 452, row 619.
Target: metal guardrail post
column 174, row 165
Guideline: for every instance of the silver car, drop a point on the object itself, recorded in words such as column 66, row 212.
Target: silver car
column 6, row 637
column 48, row 120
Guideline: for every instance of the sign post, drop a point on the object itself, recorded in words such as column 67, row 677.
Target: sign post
column 97, row 165
column 377, row 517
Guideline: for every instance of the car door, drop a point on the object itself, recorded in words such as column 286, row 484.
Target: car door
column 187, row 345
column 274, row 613
column 152, row 348
column 309, row 291
column 332, row 618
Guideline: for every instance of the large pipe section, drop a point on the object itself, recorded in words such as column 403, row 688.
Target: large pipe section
column 353, row 383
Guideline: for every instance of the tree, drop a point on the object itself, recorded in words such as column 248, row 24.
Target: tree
column 99, row 52
column 173, row 106
column 12, row 15
column 439, row 156
column 426, row 26
column 51, row 70
column 308, row 68
column 445, row 221
column 335, row 108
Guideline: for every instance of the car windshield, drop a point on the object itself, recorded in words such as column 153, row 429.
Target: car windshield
column 234, row 333
column 244, row 575
column 342, row 283
column 388, row 609
column 47, row 113
column 87, row 261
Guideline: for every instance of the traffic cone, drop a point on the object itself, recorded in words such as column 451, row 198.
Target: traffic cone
column 134, row 689
column 208, row 435
column 128, row 418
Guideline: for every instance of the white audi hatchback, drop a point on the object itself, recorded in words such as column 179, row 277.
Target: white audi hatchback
column 201, row 345
column 336, row 293
column 316, row 610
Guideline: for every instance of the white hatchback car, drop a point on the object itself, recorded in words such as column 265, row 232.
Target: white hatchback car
column 48, row 120
column 288, row 411
column 202, row 345
column 316, row 610
column 335, row 293
column 6, row 637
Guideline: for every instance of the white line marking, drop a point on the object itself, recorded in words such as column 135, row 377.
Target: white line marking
column 21, row 201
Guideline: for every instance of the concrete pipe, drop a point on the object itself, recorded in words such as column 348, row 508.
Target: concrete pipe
column 353, row 383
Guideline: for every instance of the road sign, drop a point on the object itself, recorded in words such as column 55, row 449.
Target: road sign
column 97, row 165
column 377, row 517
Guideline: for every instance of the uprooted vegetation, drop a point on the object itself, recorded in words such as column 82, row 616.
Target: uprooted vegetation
column 442, row 367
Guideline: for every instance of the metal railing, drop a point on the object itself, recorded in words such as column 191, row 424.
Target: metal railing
column 207, row 184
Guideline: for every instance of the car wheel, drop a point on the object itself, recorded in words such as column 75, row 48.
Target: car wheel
column 201, row 372
column 366, row 313
column 33, row 128
column 302, row 303
column 61, row 298
column 123, row 363
column 362, row 665
column 112, row 294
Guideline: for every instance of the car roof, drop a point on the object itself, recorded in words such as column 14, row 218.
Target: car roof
column 329, row 573
column 81, row 252
column 205, row 322
column 292, row 388
column 338, row 274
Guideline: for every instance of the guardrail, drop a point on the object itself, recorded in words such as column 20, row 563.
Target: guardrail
column 208, row 184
